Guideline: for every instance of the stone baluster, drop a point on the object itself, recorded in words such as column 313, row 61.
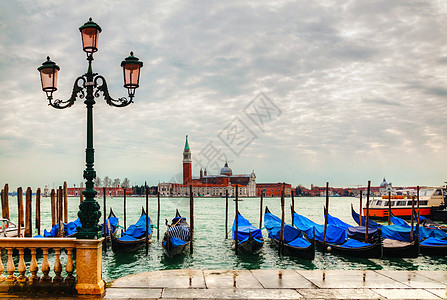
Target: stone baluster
column 57, row 265
column 22, row 267
column 34, row 268
column 45, row 266
column 10, row 267
column 2, row 278
column 69, row 267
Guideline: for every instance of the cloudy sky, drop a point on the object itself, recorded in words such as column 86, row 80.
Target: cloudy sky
column 298, row 91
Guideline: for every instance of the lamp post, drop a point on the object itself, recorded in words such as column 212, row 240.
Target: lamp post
column 89, row 86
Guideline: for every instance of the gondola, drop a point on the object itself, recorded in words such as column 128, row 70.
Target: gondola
column 337, row 240
column 433, row 241
column 249, row 237
column 177, row 237
column 9, row 229
column 396, row 239
column 134, row 237
column 111, row 227
column 294, row 242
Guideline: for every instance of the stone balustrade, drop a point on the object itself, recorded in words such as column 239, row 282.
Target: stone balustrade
column 22, row 279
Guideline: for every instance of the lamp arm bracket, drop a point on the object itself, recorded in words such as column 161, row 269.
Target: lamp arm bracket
column 77, row 92
column 120, row 102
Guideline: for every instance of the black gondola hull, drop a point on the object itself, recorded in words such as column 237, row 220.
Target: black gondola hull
column 433, row 250
column 409, row 251
column 304, row 253
column 371, row 251
column 129, row 246
column 251, row 246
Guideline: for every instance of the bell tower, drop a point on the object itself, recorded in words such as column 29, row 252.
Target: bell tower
column 187, row 164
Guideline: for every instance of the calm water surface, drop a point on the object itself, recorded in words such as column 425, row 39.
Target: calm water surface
column 213, row 251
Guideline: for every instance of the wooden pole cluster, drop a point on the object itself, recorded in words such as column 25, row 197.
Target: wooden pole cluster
column 326, row 213
column 191, row 218
column 236, row 232
column 226, row 214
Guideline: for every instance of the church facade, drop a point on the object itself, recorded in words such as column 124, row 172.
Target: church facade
column 208, row 185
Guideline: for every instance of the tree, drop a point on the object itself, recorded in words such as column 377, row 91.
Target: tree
column 116, row 182
column 107, row 181
column 125, row 183
column 98, row 182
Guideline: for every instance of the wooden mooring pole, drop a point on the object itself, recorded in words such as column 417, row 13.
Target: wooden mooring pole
column 147, row 219
column 53, row 207
column 236, row 231
column 124, row 210
column 389, row 208
column 293, row 207
column 417, row 190
column 361, row 209
column 226, row 214
column 20, row 211
column 367, row 210
column 261, row 204
column 28, row 214
column 5, row 203
column 281, row 233
column 65, row 203
column 191, row 218
column 38, row 195
column 104, row 224
column 326, row 216
column 158, row 215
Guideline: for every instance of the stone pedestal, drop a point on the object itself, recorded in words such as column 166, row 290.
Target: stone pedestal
column 89, row 267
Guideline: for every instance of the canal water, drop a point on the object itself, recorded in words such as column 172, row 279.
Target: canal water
column 213, row 251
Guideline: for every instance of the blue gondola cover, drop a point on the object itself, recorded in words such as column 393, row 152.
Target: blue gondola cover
column 292, row 236
column 137, row 230
column 244, row 228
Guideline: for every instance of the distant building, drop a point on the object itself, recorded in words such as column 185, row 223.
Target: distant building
column 110, row 191
column 209, row 185
column 273, row 189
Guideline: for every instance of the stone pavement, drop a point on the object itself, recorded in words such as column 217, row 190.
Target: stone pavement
column 280, row 284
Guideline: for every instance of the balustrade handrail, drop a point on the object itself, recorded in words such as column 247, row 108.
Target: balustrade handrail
column 7, row 242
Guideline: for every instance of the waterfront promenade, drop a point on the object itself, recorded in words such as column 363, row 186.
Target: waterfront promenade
column 280, row 284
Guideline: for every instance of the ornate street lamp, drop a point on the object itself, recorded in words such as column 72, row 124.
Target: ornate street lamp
column 89, row 86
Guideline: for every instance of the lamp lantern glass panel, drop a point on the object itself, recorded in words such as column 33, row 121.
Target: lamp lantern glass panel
column 90, row 34
column 48, row 76
column 131, row 71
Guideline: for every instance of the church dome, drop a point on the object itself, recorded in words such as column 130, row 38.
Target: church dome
column 384, row 183
column 226, row 170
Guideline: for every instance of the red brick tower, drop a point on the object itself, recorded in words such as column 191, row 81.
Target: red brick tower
column 187, row 164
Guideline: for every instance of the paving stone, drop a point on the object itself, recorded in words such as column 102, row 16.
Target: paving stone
column 163, row 279
column 338, row 293
column 349, row 279
column 440, row 276
column 405, row 294
column 413, row 279
column 441, row 293
column 132, row 293
column 231, row 293
column 230, row 279
column 272, row 279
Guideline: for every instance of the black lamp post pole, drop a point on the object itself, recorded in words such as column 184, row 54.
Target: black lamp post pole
column 89, row 210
